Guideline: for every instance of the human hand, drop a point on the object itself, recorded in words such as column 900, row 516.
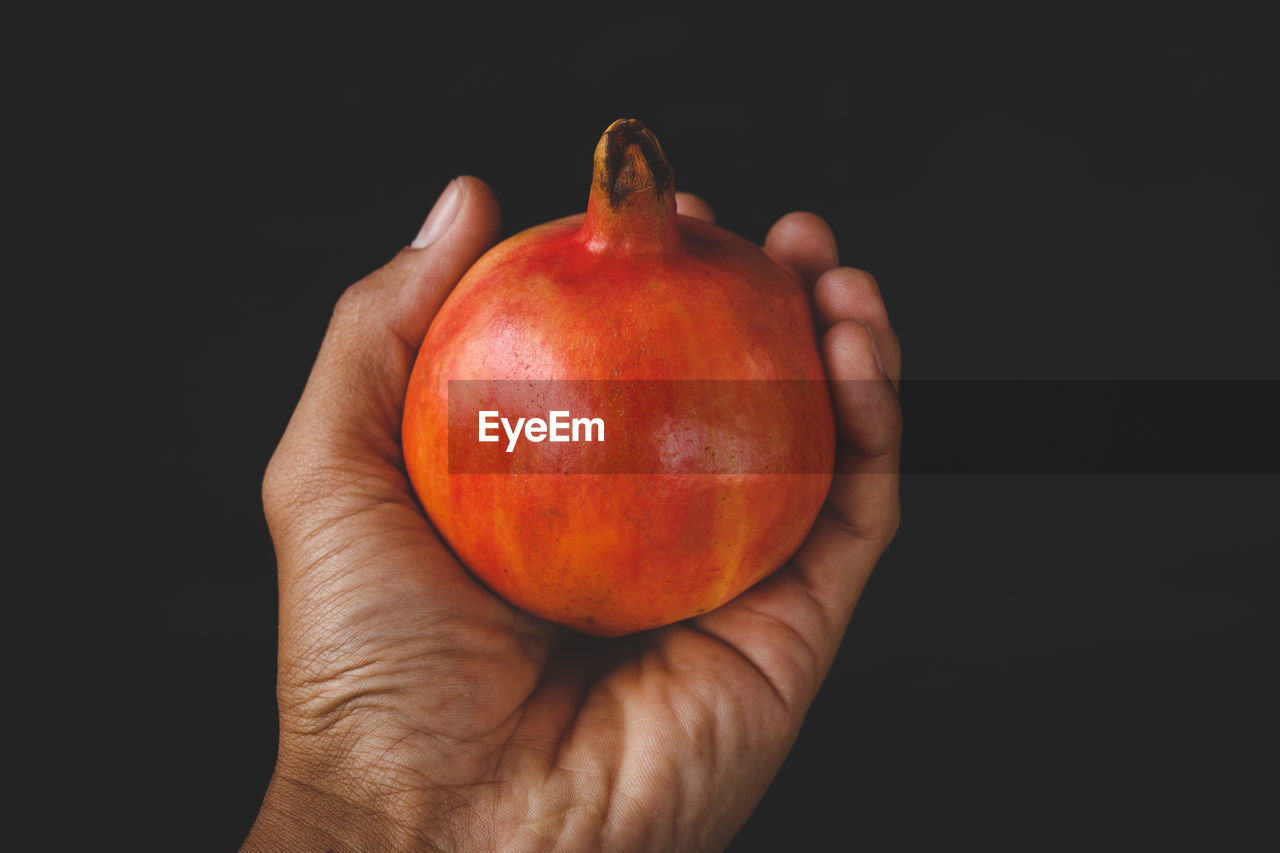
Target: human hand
column 419, row 711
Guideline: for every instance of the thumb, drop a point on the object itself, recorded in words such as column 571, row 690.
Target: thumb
column 345, row 429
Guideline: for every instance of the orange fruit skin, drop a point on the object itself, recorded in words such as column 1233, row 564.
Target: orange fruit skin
column 615, row 553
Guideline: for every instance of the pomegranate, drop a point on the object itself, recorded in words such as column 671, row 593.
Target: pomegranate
column 620, row 420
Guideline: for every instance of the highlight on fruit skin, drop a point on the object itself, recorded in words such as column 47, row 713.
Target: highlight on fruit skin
column 695, row 351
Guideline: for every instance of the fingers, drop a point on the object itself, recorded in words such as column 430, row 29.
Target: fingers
column 863, row 360
column 403, row 297
column 805, row 243
column 861, row 514
column 847, row 293
column 866, row 406
column 688, row 204
column 345, row 429
column 790, row 625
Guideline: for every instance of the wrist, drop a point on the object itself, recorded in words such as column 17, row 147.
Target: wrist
column 296, row 815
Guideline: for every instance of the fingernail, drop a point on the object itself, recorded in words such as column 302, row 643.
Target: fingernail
column 440, row 217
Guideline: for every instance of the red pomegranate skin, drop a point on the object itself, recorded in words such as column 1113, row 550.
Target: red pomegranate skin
column 628, row 291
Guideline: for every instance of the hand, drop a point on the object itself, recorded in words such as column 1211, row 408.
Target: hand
column 419, row 711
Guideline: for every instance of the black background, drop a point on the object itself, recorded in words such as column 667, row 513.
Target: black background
column 1042, row 661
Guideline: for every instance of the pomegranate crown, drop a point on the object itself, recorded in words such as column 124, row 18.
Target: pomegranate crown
column 632, row 206
column 633, row 160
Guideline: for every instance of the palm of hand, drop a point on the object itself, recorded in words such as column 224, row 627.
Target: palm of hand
column 454, row 704
column 452, row 719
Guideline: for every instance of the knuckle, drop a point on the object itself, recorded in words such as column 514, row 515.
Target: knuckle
column 278, row 487
column 292, row 485
column 352, row 307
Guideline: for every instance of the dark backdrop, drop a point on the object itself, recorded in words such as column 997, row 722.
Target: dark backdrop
column 1045, row 659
